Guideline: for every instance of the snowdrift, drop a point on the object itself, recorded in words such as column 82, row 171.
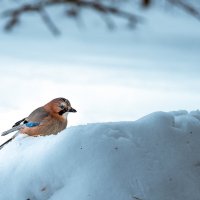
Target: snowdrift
column 154, row 158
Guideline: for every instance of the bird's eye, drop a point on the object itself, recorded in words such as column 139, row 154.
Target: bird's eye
column 62, row 107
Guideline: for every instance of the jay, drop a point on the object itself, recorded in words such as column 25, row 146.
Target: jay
column 46, row 120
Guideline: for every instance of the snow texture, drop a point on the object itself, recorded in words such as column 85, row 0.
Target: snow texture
column 154, row 158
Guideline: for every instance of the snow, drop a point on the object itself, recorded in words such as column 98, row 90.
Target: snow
column 153, row 158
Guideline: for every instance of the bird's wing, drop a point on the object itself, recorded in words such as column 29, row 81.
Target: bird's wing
column 34, row 119
column 38, row 115
column 15, row 127
column 19, row 122
column 18, row 127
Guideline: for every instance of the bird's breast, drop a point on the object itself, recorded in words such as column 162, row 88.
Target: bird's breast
column 65, row 115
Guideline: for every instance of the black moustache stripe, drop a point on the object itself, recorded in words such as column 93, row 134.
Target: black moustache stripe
column 62, row 111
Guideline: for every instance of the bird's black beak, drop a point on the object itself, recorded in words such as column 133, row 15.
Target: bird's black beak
column 72, row 110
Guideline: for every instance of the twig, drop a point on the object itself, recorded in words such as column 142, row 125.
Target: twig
column 98, row 6
column 110, row 23
column 187, row 7
column 49, row 23
column 15, row 14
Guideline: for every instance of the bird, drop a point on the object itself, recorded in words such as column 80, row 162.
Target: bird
column 45, row 120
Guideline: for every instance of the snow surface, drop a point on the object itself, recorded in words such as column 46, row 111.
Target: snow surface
column 154, row 158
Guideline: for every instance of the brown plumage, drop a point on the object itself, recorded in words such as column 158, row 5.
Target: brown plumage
column 46, row 120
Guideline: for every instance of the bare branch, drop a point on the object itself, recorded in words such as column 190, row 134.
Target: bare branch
column 15, row 14
column 49, row 23
column 110, row 23
column 190, row 9
column 104, row 9
column 11, row 23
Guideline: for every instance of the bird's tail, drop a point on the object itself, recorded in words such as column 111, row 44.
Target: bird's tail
column 13, row 137
column 16, row 128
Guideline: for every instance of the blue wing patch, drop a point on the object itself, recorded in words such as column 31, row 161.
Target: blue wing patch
column 32, row 124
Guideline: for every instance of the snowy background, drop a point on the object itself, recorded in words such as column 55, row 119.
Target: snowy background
column 107, row 75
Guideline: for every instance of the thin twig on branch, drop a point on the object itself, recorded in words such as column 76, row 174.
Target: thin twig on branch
column 47, row 20
column 189, row 8
column 15, row 14
column 104, row 9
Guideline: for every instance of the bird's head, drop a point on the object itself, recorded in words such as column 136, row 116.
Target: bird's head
column 60, row 106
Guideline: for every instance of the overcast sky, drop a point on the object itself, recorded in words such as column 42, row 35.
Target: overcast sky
column 107, row 75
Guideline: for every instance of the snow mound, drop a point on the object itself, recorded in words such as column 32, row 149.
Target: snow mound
column 154, row 158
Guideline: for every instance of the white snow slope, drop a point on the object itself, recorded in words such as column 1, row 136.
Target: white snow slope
column 154, row 158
